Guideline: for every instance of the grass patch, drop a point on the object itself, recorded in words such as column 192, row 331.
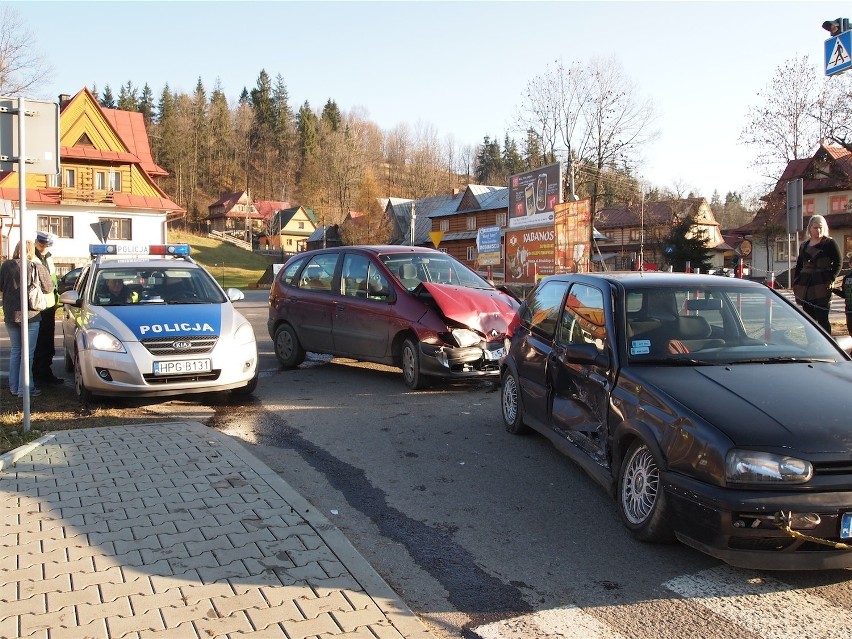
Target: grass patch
column 229, row 264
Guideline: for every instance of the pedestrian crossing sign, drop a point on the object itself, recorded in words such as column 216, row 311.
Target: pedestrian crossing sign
column 838, row 53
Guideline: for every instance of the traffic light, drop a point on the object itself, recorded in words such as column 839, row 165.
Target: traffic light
column 837, row 26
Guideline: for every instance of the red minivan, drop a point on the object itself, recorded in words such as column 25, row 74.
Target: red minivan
column 411, row 307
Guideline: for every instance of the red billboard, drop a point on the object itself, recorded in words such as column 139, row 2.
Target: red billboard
column 529, row 254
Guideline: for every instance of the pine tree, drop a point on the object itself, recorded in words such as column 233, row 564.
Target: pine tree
column 331, row 115
column 146, row 105
column 127, row 97
column 107, row 99
column 687, row 243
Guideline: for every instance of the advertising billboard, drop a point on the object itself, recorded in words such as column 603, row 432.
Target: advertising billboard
column 573, row 226
column 532, row 196
column 488, row 246
column 529, row 254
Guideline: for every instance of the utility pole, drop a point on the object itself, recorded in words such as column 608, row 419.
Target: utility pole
column 413, row 222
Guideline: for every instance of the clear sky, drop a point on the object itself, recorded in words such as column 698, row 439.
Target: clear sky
column 459, row 66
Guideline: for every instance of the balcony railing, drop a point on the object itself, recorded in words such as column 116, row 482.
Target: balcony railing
column 97, row 196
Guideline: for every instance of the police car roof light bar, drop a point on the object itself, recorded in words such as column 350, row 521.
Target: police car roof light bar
column 168, row 249
column 102, row 249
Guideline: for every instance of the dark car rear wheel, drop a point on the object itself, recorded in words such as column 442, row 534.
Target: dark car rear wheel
column 641, row 499
column 411, row 374
column 288, row 350
column 513, row 415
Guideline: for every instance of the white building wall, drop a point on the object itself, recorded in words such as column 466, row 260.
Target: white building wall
column 145, row 228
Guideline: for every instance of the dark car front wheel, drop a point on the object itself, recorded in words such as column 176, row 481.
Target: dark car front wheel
column 288, row 350
column 513, row 416
column 641, row 500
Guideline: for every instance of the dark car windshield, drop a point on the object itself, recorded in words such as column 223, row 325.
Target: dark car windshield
column 438, row 268
column 121, row 285
column 719, row 325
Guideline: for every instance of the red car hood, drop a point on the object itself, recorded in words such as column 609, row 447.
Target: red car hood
column 488, row 311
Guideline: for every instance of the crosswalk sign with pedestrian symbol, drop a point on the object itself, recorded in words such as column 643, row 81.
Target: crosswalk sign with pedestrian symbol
column 837, row 53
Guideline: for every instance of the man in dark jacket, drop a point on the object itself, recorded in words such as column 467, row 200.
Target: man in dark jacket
column 45, row 348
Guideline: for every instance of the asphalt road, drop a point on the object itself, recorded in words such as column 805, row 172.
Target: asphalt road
column 486, row 534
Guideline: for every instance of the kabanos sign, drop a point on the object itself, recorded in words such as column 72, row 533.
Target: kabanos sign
column 529, row 254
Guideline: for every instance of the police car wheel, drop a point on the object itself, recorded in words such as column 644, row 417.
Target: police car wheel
column 83, row 393
column 249, row 388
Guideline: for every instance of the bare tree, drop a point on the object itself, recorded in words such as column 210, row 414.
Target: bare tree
column 787, row 123
column 425, row 161
column 22, row 68
column 594, row 112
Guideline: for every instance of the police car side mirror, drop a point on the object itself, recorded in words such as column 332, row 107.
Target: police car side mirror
column 71, row 298
column 235, row 294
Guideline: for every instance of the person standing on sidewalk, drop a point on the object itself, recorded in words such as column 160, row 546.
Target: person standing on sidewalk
column 816, row 268
column 10, row 287
column 45, row 348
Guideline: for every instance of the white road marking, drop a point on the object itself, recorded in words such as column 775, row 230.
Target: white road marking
column 559, row 623
column 763, row 605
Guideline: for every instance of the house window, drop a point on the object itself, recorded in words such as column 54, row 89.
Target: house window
column 120, row 229
column 635, row 235
column 808, row 206
column 53, row 181
column 838, row 204
column 301, row 225
column 471, row 223
column 100, row 180
column 114, row 181
column 501, row 219
column 59, row 225
column 444, row 225
column 70, row 178
column 471, row 253
column 289, row 241
column 781, row 250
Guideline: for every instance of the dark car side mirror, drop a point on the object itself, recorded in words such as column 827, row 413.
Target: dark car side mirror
column 587, row 354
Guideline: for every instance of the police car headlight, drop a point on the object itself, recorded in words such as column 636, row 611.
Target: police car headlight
column 244, row 334
column 102, row 341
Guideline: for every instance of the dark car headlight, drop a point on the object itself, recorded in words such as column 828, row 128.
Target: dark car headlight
column 756, row 467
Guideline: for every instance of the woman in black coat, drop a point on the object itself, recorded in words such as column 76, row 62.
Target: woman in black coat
column 816, row 268
column 10, row 287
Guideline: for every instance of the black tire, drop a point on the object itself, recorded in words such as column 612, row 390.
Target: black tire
column 641, row 499
column 83, row 393
column 288, row 350
column 510, row 400
column 248, row 389
column 411, row 374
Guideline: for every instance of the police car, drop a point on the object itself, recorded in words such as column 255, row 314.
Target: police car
column 156, row 324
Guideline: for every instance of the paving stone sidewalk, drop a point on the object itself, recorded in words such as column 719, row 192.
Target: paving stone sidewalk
column 175, row 530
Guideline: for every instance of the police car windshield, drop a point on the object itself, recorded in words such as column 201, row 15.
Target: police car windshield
column 120, row 286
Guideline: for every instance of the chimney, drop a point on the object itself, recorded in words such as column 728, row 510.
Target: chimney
column 64, row 98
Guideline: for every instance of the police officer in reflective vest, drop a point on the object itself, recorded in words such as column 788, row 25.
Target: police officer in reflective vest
column 45, row 349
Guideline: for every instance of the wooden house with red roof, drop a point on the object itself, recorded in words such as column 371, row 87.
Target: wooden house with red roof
column 643, row 227
column 827, row 185
column 107, row 172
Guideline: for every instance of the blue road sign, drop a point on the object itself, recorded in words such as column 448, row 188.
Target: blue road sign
column 838, row 53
